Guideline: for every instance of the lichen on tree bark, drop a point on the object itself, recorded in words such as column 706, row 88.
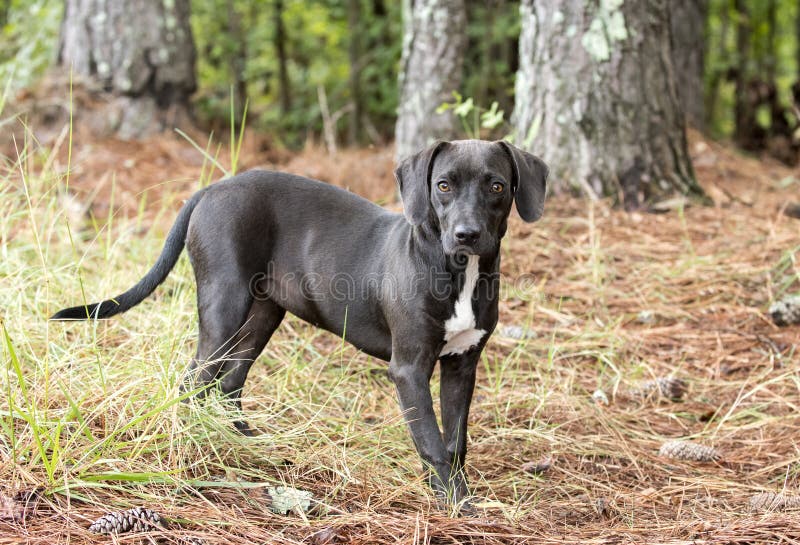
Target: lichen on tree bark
column 596, row 98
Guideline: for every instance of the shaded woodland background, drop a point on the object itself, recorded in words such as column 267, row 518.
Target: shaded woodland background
column 328, row 70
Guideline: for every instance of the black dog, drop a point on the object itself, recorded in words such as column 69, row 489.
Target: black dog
column 410, row 290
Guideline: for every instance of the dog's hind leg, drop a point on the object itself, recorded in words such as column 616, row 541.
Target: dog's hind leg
column 262, row 321
column 222, row 308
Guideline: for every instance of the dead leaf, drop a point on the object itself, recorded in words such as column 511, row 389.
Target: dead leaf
column 20, row 506
column 10, row 509
column 648, row 493
column 327, row 536
column 537, row 468
column 489, row 504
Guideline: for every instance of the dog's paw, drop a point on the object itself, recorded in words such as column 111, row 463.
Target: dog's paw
column 244, row 428
column 465, row 508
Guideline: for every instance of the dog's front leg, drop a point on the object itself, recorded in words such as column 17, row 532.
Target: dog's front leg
column 411, row 374
column 457, row 385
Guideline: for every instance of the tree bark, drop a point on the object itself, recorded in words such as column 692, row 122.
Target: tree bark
column 141, row 51
column 688, row 22
column 596, row 99
column 434, row 38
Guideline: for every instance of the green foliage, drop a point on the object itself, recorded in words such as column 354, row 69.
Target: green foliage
column 28, row 39
column 237, row 49
column 476, row 121
column 490, row 66
column 723, row 58
column 316, row 44
column 383, row 37
column 492, row 56
column 785, row 275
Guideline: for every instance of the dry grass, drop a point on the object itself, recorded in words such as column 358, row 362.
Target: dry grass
column 89, row 415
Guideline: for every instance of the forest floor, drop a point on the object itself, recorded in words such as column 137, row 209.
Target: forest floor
column 92, row 422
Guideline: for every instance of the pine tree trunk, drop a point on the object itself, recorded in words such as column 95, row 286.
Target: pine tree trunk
column 596, row 99
column 688, row 22
column 141, row 51
column 434, row 38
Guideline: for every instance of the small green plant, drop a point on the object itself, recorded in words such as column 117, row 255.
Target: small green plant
column 28, row 39
column 785, row 275
column 474, row 119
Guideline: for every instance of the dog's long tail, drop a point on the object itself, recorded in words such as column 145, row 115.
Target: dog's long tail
column 166, row 261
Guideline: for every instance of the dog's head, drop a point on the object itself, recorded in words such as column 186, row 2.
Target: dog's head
column 466, row 188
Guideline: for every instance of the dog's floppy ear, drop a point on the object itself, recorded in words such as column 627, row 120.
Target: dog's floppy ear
column 530, row 181
column 413, row 176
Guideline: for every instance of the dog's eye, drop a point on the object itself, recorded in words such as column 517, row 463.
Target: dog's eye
column 443, row 186
column 497, row 187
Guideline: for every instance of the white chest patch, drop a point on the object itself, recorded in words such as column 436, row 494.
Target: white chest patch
column 459, row 330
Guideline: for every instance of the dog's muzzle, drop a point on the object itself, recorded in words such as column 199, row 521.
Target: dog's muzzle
column 480, row 245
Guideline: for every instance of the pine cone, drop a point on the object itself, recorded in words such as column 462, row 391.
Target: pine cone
column 770, row 501
column 134, row 520
column 786, row 311
column 192, row 540
column 685, row 450
column 669, row 387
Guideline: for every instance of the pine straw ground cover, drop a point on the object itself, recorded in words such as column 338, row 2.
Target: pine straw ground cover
column 91, row 421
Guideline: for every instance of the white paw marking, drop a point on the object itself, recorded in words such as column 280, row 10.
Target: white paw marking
column 459, row 330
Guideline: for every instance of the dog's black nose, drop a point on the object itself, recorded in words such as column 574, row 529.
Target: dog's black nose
column 466, row 235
